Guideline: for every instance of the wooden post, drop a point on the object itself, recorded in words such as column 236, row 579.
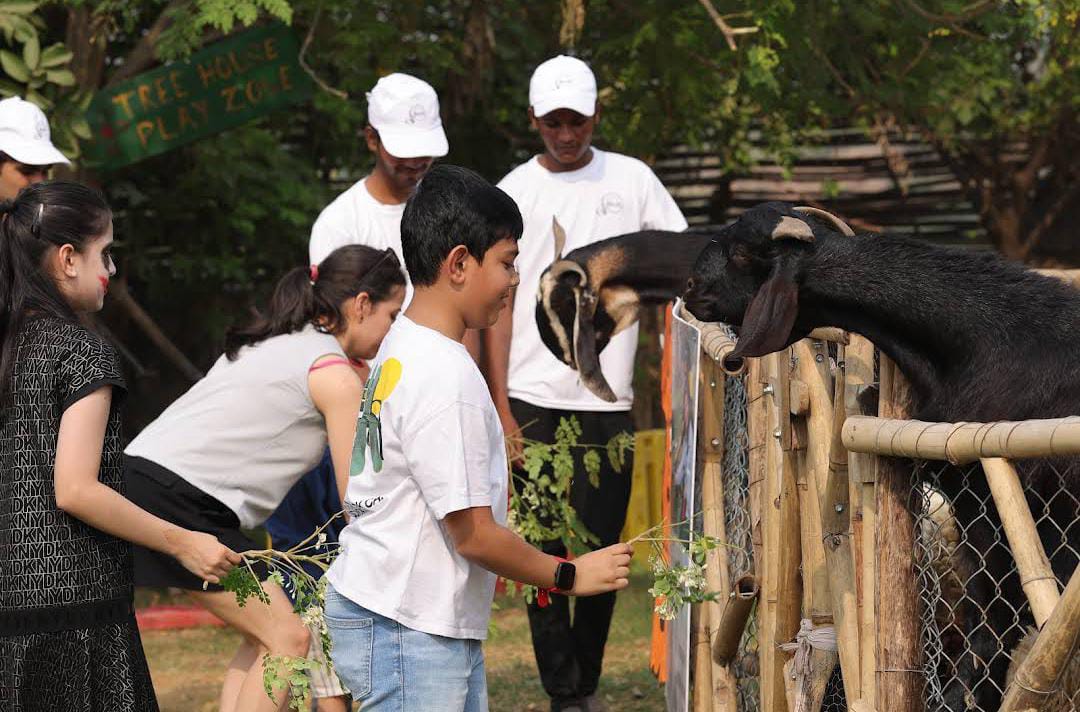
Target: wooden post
column 899, row 680
column 828, row 467
column 1058, row 642
column 783, row 535
column 701, row 684
column 757, row 467
column 858, row 358
column 1036, row 576
column 723, row 692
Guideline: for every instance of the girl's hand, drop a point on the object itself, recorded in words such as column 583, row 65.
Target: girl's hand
column 202, row 554
column 602, row 570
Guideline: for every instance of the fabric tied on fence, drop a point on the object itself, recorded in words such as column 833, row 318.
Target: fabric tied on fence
column 807, row 640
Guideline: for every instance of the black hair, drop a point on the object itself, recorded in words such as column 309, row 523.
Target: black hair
column 314, row 295
column 42, row 217
column 453, row 206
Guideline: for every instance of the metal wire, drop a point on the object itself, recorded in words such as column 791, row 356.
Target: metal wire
column 736, row 464
column 974, row 615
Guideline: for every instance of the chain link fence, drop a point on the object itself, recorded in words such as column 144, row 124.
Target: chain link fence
column 737, row 522
column 974, row 613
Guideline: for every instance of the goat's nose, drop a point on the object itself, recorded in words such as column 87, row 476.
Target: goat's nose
column 689, row 284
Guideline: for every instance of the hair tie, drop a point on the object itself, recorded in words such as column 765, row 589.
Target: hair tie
column 313, row 274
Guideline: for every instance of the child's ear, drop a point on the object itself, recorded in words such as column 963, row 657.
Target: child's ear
column 456, row 264
column 362, row 306
column 65, row 258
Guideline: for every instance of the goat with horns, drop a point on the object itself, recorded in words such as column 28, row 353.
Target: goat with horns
column 979, row 339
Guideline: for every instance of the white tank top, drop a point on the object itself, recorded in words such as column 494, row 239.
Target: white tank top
column 248, row 430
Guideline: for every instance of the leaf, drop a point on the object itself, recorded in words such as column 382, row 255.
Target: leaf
column 32, row 52
column 18, row 8
column 43, row 102
column 10, row 88
column 81, row 128
column 56, row 55
column 13, row 66
column 61, row 77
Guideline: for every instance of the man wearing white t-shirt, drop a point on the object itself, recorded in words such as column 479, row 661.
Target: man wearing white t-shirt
column 405, row 134
column 594, row 195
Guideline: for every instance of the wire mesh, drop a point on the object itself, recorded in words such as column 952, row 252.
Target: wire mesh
column 975, row 618
column 736, row 463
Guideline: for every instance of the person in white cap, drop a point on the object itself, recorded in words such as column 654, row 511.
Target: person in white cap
column 405, row 134
column 26, row 151
column 594, row 195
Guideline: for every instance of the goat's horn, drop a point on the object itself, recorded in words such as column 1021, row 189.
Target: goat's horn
column 560, row 237
column 790, row 228
column 828, row 217
column 561, row 267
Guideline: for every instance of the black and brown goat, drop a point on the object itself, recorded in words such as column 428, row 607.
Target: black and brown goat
column 594, row 292
column 979, row 338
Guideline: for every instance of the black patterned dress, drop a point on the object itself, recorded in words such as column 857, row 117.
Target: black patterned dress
column 68, row 638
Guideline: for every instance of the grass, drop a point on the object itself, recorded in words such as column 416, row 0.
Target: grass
column 188, row 665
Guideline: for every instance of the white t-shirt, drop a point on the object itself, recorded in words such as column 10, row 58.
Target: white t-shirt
column 248, row 430
column 356, row 218
column 443, row 451
column 612, row 195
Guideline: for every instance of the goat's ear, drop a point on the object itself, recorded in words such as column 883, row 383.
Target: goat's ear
column 586, row 355
column 560, row 237
column 767, row 323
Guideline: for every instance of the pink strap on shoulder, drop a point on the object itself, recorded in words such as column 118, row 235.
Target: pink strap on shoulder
column 335, row 362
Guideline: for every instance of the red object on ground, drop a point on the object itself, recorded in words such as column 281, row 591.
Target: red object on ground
column 174, row 617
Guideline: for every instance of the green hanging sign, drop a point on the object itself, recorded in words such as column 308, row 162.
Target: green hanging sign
column 222, row 86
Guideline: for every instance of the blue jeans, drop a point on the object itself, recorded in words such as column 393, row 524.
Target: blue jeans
column 392, row 668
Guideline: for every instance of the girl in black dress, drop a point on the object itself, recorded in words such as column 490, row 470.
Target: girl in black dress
column 68, row 638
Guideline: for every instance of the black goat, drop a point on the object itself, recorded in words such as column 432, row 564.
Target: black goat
column 979, row 338
column 596, row 291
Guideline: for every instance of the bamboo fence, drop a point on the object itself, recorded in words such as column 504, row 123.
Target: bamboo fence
column 832, row 534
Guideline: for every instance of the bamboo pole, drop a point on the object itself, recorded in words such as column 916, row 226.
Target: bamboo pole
column 896, row 606
column 717, row 341
column 1058, row 643
column 723, row 692
column 829, row 333
column 961, row 443
column 757, row 423
column 830, row 507
column 858, row 358
column 732, row 621
column 810, row 694
column 787, row 537
column 815, row 381
column 701, row 695
column 1036, row 576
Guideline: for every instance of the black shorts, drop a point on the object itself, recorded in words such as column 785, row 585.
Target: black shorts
column 165, row 494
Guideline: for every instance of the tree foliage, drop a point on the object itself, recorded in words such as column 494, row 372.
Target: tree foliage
column 993, row 84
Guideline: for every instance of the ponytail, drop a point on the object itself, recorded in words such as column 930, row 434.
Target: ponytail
column 43, row 217
column 315, row 295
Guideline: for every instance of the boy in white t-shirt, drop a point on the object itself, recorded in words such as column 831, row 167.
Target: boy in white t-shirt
column 410, row 594
column 594, row 195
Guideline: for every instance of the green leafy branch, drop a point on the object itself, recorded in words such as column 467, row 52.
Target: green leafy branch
column 676, row 586
column 286, row 569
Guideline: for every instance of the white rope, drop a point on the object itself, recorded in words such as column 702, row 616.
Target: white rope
column 807, row 640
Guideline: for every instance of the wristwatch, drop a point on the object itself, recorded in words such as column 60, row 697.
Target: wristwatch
column 564, row 576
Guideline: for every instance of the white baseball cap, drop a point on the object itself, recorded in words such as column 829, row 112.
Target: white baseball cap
column 24, row 134
column 563, row 83
column 405, row 112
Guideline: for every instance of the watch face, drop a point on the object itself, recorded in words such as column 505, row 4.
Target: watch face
column 564, row 576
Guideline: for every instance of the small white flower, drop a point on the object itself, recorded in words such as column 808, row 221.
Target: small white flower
column 322, row 540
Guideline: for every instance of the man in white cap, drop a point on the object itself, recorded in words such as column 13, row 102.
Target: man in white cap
column 26, row 151
column 594, row 195
column 405, row 134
